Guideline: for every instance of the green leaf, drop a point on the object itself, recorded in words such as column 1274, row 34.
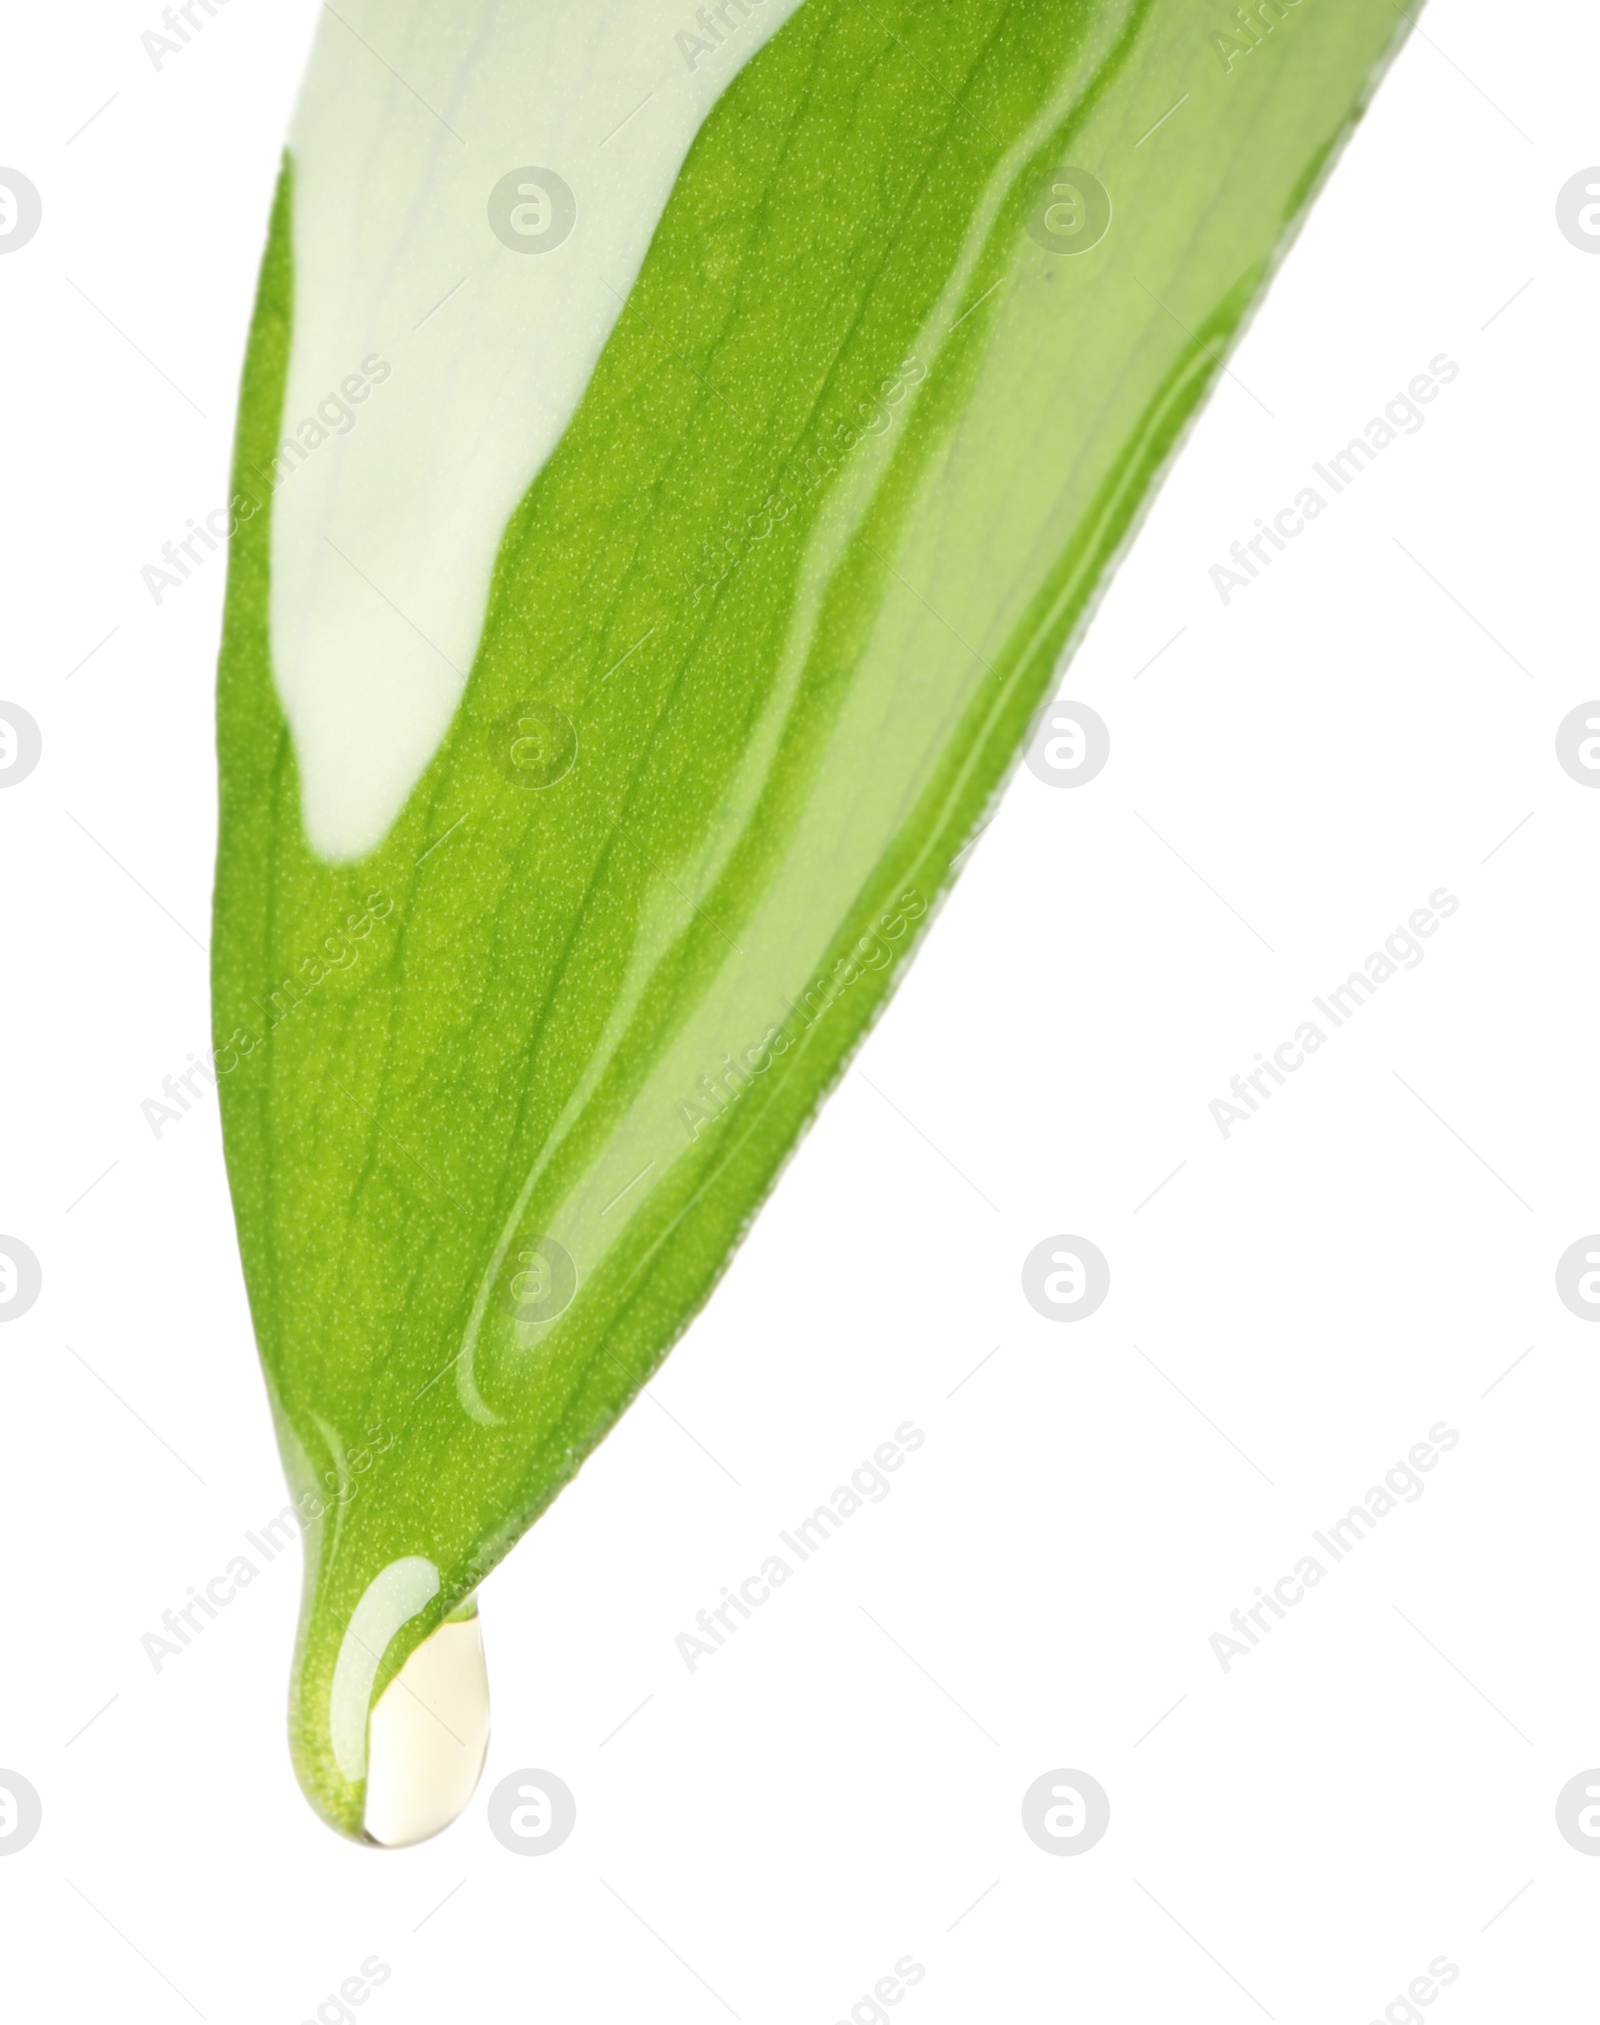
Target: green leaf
column 763, row 640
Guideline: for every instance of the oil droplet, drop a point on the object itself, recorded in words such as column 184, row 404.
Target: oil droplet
column 428, row 1737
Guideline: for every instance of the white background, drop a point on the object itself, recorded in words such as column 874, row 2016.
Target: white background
column 840, row 1786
